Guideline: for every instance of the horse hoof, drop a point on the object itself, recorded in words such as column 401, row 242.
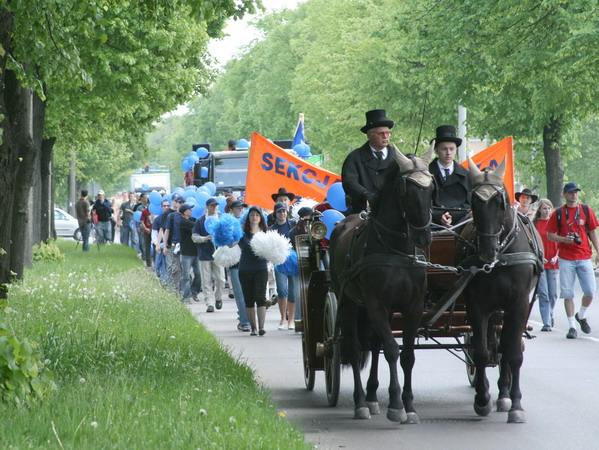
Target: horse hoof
column 412, row 419
column 504, row 404
column 483, row 410
column 516, row 416
column 361, row 413
column 374, row 408
column 397, row 415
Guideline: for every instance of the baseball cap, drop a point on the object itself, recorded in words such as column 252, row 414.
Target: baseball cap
column 211, row 201
column 101, row 192
column 237, row 203
column 304, row 211
column 280, row 206
column 571, row 186
column 177, row 199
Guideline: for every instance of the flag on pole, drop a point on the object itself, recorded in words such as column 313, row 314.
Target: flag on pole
column 298, row 137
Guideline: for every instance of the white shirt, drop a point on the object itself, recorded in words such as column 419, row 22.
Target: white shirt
column 442, row 169
column 383, row 151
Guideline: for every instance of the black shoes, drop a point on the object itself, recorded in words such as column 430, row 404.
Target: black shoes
column 572, row 334
column 261, row 332
column 210, row 308
column 219, row 303
column 546, row 328
column 584, row 325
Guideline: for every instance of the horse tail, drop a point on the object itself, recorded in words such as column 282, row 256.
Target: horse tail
column 355, row 341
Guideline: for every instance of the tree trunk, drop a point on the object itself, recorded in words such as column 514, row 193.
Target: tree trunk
column 46, row 199
column 28, row 161
column 35, row 195
column 8, row 151
column 554, row 169
column 72, row 186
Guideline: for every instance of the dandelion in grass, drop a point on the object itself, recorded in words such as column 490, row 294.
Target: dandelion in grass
column 94, row 424
column 232, row 419
column 81, row 380
column 282, row 415
column 172, row 337
column 203, row 412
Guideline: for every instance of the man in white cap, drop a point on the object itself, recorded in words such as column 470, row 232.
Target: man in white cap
column 103, row 209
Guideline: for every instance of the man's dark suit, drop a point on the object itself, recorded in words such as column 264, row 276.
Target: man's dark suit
column 363, row 176
column 451, row 193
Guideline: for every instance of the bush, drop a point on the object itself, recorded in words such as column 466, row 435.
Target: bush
column 47, row 252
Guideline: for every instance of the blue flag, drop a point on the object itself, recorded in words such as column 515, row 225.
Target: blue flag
column 299, row 137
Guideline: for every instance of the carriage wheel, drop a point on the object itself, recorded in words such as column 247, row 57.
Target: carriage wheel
column 309, row 374
column 470, row 368
column 332, row 363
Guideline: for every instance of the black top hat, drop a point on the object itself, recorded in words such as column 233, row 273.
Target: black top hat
column 282, row 191
column 376, row 118
column 446, row 133
column 526, row 192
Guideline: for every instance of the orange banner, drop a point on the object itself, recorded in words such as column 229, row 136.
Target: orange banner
column 270, row 168
column 492, row 157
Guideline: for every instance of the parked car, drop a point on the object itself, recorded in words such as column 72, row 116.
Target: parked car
column 66, row 225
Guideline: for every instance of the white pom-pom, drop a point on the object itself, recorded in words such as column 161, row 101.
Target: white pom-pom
column 310, row 203
column 271, row 246
column 227, row 256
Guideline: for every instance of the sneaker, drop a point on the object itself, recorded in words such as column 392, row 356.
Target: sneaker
column 253, row 333
column 210, row 308
column 219, row 303
column 246, row 328
column 584, row 325
column 282, row 327
column 292, row 326
column 546, row 328
column 231, row 295
column 239, row 327
column 261, row 332
column 572, row 334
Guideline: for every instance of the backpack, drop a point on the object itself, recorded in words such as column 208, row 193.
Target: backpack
column 585, row 209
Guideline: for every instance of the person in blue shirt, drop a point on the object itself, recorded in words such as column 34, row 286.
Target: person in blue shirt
column 285, row 288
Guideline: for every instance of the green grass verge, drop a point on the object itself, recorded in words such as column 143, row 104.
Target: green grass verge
column 134, row 368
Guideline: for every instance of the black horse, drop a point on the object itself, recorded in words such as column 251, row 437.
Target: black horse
column 374, row 274
column 507, row 249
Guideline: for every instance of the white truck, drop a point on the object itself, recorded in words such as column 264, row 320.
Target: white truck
column 149, row 181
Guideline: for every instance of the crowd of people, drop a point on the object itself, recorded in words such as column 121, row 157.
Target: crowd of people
column 183, row 249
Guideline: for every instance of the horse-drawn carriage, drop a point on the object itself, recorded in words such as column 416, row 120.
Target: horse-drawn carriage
column 443, row 324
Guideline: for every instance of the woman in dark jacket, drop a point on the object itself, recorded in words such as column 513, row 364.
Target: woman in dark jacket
column 253, row 271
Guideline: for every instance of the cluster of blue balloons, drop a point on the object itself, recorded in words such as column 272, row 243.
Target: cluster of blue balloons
column 302, row 150
column 336, row 198
column 193, row 158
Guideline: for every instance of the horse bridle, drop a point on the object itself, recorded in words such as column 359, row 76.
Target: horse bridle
column 402, row 181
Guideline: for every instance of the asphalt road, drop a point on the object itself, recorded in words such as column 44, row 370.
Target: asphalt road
column 560, row 385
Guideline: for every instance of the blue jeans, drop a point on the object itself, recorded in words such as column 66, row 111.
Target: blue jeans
column 547, row 294
column 241, row 312
column 103, row 231
column 85, row 231
column 568, row 270
column 188, row 286
column 285, row 286
column 126, row 235
column 160, row 268
column 134, row 239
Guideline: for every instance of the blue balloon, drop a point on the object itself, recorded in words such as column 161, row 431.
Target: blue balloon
column 188, row 194
column 191, row 187
column 178, row 190
column 145, row 187
column 222, row 202
column 137, row 216
column 155, row 209
column 167, row 197
column 202, row 197
column 204, row 172
column 205, row 189
column 193, row 159
column 155, row 198
column 202, row 152
column 210, row 185
column 303, row 150
column 330, row 217
column 336, row 196
column 185, row 165
column 197, row 212
column 243, row 144
column 191, row 201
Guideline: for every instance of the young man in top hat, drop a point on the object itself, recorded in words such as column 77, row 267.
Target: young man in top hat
column 453, row 184
column 574, row 226
column 525, row 201
column 363, row 168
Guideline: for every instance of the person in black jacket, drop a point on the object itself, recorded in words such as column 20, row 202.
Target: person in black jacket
column 453, row 185
column 363, row 168
column 189, row 256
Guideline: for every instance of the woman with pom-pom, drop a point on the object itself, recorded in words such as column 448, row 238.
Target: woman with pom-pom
column 253, row 271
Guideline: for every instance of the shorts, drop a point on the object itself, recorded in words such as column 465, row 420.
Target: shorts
column 568, row 270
